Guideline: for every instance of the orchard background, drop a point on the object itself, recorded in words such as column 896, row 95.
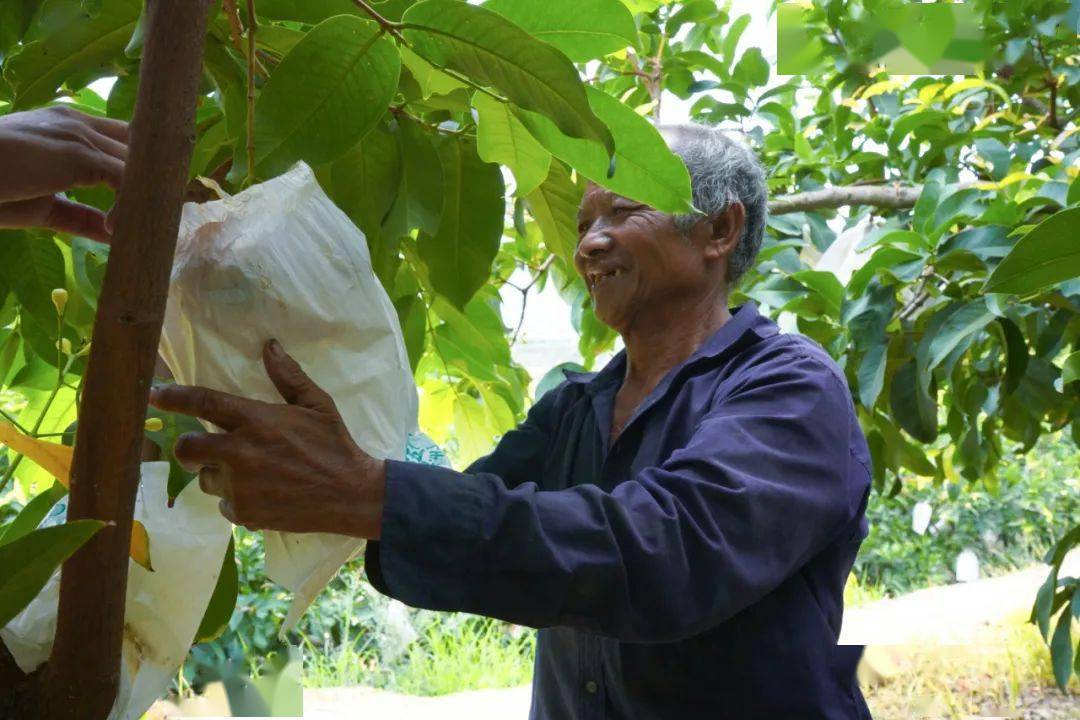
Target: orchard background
column 922, row 229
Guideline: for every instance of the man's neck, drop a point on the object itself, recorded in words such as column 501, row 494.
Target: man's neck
column 656, row 344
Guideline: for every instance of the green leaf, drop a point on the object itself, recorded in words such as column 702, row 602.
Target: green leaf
column 421, row 190
column 1047, row 255
column 1044, row 599
column 34, row 267
column 71, row 44
column 365, row 180
column 871, row 374
column 913, row 407
column 948, row 329
column 752, row 69
column 824, row 284
column 31, row 516
column 926, row 30
column 121, row 101
column 27, row 563
column 311, row 12
column 412, row 316
column 223, row 600
column 731, row 38
column 431, row 79
column 460, row 254
column 502, row 139
column 1070, row 371
column 493, row 51
column 645, row 168
column 1061, row 650
column 554, row 204
column 1016, row 356
column 582, row 29
column 325, row 95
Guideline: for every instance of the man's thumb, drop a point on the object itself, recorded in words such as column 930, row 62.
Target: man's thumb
column 291, row 380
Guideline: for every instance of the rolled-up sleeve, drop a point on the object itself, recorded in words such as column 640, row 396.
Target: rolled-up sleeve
column 760, row 488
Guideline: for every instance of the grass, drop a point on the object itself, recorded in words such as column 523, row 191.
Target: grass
column 479, row 653
column 469, row 653
column 991, row 678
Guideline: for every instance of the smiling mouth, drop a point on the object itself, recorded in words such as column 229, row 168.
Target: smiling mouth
column 597, row 279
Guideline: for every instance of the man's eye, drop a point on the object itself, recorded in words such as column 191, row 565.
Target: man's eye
column 582, row 228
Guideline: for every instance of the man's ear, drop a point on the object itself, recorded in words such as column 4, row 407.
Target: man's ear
column 724, row 229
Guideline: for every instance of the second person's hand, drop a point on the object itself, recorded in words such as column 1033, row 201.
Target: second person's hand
column 47, row 151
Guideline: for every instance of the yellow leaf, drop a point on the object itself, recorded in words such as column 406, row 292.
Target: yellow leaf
column 53, row 458
column 140, row 545
column 56, row 460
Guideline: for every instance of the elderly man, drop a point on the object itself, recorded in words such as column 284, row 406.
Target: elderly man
column 679, row 525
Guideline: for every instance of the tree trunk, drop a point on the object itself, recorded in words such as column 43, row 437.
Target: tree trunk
column 81, row 677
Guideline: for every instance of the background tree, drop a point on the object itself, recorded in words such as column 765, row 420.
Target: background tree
column 459, row 137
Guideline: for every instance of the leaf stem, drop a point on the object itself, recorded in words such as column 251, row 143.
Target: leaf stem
column 252, row 25
column 389, row 26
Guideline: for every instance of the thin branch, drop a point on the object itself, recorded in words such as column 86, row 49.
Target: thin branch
column 896, row 197
column 391, row 27
column 525, row 294
column 252, row 26
column 236, row 32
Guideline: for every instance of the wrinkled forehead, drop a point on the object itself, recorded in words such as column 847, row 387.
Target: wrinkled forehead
column 597, row 197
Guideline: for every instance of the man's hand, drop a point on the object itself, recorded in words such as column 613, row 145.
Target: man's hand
column 290, row 467
column 47, row 151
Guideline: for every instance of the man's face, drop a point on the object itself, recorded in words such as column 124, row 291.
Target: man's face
column 635, row 260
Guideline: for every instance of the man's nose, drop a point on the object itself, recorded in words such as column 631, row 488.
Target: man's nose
column 595, row 242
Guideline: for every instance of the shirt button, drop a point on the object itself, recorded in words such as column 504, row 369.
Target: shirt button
column 591, row 687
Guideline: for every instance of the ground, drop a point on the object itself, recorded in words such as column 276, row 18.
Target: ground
column 956, row 651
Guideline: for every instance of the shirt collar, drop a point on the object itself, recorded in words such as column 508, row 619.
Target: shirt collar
column 744, row 319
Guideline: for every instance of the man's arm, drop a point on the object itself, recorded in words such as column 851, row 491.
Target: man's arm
column 758, row 491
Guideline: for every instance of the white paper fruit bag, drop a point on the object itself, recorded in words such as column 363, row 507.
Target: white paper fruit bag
column 163, row 608
column 280, row 260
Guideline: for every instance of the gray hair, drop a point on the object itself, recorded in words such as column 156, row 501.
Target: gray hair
column 723, row 171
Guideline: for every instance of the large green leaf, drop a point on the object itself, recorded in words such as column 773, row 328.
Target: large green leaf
column 582, row 29
column 554, row 204
column 493, row 51
column 502, row 139
column 460, row 254
column 71, row 44
column 326, row 94
column 871, row 374
column 1070, row 371
column 364, row 181
column 27, row 563
column 31, row 516
column 912, row 405
column 1061, row 649
column 306, row 11
column 223, row 600
column 1047, row 255
column 420, row 197
column 33, row 267
column 645, row 168
column 948, row 329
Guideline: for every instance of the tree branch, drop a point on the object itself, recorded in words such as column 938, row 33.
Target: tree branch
column 252, row 25
column 82, row 675
column 895, row 197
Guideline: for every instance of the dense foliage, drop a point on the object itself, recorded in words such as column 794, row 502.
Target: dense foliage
column 956, row 320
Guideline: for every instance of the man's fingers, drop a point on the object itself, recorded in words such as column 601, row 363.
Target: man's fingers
column 224, row 410
column 115, row 129
column 82, row 220
column 107, row 145
column 95, row 167
column 291, row 380
column 211, row 481
column 56, row 213
column 203, row 450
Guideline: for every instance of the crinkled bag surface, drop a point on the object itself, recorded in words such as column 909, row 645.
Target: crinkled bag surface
column 280, row 260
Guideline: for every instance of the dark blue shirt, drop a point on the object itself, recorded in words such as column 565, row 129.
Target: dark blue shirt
column 694, row 569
